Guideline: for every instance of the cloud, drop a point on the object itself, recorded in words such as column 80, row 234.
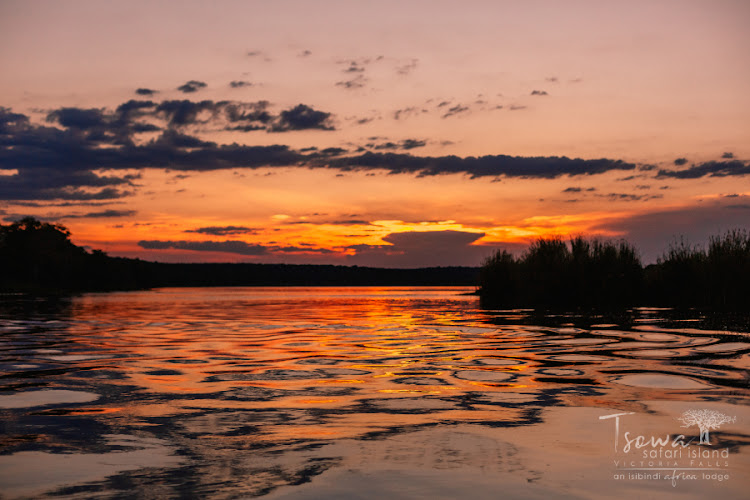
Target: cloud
column 455, row 110
column 629, row 197
column 405, row 69
column 60, row 161
column 192, row 86
column 355, row 83
column 174, row 139
column 302, row 117
column 348, row 222
column 246, row 115
column 412, row 143
column 77, row 148
column 145, row 91
column 259, row 54
column 405, row 144
column 49, row 183
column 423, row 249
column 407, row 112
column 680, row 161
column 727, row 156
column 483, row 166
column 574, row 189
column 305, row 53
column 539, row 92
column 516, row 107
column 100, row 126
column 223, row 230
column 131, row 110
column 710, row 169
column 78, row 118
column 232, row 246
column 238, row 84
column 353, row 68
column 336, row 222
column 99, row 215
column 183, row 112
column 301, row 249
column 65, row 204
column 242, row 116
column 11, row 122
column 357, row 65
column 231, row 115
column 630, row 178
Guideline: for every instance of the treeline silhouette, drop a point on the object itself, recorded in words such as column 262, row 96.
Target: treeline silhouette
column 609, row 274
column 39, row 257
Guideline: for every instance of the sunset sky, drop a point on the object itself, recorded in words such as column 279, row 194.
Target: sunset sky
column 392, row 133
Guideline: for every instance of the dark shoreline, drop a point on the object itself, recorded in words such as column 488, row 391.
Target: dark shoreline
column 580, row 274
column 604, row 274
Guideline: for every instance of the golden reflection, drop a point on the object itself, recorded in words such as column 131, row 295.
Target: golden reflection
column 80, row 411
column 168, row 358
column 293, row 350
column 348, row 381
column 410, row 391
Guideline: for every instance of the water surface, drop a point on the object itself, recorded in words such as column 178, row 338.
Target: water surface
column 360, row 393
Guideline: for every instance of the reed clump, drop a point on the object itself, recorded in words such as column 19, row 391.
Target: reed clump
column 716, row 277
column 590, row 272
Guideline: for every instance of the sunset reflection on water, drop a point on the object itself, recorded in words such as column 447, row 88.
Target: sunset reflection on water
column 238, row 392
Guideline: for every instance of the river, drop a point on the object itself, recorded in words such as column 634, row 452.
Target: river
column 392, row 392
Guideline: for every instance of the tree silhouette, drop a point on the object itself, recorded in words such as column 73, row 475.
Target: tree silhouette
column 705, row 420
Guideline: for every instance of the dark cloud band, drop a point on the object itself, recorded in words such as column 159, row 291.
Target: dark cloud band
column 709, row 169
column 549, row 167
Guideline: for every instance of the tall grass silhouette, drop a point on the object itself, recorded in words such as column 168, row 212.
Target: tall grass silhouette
column 716, row 277
column 553, row 272
column 592, row 272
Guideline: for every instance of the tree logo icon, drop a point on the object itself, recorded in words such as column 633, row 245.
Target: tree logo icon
column 705, row 420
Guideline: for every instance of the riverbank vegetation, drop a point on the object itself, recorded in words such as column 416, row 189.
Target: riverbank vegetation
column 38, row 257
column 606, row 274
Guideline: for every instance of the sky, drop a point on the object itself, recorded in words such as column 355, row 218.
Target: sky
column 392, row 133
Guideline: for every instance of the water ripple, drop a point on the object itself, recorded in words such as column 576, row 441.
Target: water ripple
column 228, row 373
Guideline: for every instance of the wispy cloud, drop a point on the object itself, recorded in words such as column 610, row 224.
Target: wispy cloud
column 357, row 82
column 223, row 230
column 406, row 68
column 104, row 214
column 192, row 86
column 238, row 84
